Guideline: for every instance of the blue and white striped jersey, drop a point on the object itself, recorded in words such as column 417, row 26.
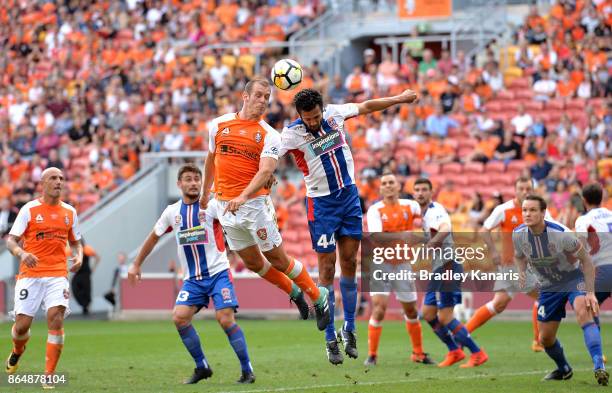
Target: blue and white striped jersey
column 551, row 253
column 325, row 159
column 199, row 238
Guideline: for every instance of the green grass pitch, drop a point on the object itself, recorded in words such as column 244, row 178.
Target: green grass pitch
column 289, row 356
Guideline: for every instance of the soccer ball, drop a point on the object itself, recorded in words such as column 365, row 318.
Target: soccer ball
column 286, row 74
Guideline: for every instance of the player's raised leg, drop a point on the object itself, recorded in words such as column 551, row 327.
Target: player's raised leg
column 497, row 305
column 348, row 248
column 182, row 316
column 256, row 262
column 296, row 271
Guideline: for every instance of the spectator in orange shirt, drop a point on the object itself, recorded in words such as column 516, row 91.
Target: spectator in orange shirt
column 449, row 197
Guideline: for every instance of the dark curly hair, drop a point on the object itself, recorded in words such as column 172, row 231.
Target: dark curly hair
column 307, row 100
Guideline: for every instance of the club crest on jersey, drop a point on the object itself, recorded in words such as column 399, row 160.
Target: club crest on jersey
column 39, row 218
column 202, row 216
column 258, row 137
column 262, row 233
column 332, row 123
column 66, row 294
column 309, row 137
column 226, row 294
column 66, row 220
column 581, row 286
column 552, row 248
column 178, row 219
column 225, row 131
column 405, row 216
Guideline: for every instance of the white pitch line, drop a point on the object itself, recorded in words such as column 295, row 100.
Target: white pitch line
column 399, row 381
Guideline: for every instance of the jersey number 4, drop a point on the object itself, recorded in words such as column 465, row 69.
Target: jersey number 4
column 322, row 242
column 541, row 311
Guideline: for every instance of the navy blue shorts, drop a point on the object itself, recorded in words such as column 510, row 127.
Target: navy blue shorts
column 198, row 292
column 443, row 294
column 552, row 304
column 603, row 283
column 333, row 216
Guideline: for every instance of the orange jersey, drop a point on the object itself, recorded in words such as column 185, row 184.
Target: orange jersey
column 238, row 146
column 45, row 230
column 393, row 218
column 506, row 216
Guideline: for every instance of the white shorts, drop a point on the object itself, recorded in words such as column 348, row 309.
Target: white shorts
column 512, row 287
column 253, row 224
column 405, row 290
column 41, row 292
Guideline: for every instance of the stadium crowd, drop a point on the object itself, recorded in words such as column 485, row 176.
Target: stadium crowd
column 88, row 86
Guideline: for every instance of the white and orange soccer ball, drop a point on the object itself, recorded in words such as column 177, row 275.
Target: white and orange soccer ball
column 286, row 74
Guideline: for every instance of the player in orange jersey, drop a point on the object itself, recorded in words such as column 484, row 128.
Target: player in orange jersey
column 507, row 216
column 38, row 239
column 243, row 154
column 394, row 215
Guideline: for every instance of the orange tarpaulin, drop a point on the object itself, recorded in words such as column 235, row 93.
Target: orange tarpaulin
column 424, row 8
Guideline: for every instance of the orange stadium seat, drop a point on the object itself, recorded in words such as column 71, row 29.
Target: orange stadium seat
column 452, row 167
column 473, row 167
column 495, row 167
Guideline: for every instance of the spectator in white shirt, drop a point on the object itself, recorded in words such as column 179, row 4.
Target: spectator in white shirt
column 522, row 122
column 595, row 147
column 493, row 77
column 545, row 88
column 218, row 73
column 174, row 140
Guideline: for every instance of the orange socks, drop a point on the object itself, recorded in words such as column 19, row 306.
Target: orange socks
column 55, row 344
column 19, row 342
column 413, row 326
column 270, row 274
column 481, row 316
column 374, row 332
column 300, row 276
column 534, row 320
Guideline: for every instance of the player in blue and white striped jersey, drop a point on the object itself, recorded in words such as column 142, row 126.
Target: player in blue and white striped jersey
column 318, row 142
column 557, row 256
column 201, row 250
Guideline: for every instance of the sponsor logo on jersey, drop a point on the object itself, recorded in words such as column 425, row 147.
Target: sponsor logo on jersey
column 225, row 131
column 258, row 137
column 226, row 294
column 262, row 233
column 326, row 143
column 384, row 217
column 39, row 218
column 191, row 236
column 514, row 220
column 239, row 151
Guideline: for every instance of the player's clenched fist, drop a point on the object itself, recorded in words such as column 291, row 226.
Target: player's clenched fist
column 409, row 96
column 204, row 201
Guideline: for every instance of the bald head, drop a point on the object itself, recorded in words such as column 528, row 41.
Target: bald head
column 49, row 172
column 52, row 180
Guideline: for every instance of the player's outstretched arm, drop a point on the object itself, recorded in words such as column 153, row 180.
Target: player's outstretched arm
column 76, row 258
column 134, row 271
column 380, row 104
column 267, row 166
column 209, row 177
column 12, row 243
